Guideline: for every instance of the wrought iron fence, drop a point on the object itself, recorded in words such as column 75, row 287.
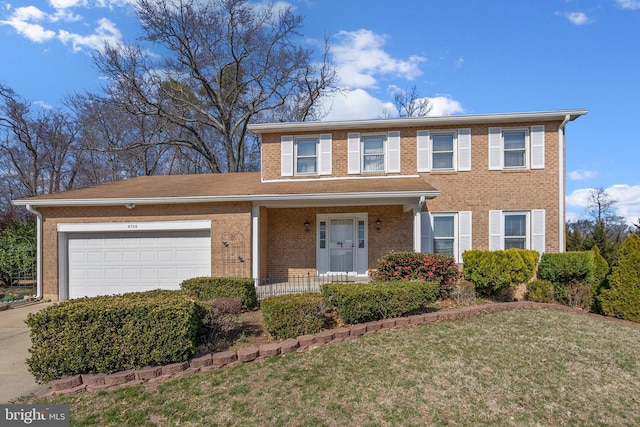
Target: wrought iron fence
column 300, row 284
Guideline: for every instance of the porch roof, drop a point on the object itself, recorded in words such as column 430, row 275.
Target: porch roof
column 241, row 187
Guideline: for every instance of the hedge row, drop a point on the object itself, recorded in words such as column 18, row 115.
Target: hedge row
column 208, row 288
column 496, row 271
column 364, row 302
column 113, row 333
column 289, row 316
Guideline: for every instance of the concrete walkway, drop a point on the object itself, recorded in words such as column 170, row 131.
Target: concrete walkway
column 15, row 341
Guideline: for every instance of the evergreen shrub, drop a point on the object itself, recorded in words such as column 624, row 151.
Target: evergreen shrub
column 622, row 298
column 208, row 288
column 497, row 272
column 289, row 316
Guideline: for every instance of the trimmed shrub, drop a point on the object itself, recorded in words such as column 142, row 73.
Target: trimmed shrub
column 560, row 269
column 289, row 316
column 622, row 299
column 498, row 273
column 424, row 266
column 208, row 288
column 600, row 274
column 364, row 302
column 113, row 333
column 539, row 291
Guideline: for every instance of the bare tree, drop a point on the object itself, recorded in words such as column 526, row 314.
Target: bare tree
column 409, row 104
column 227, row 63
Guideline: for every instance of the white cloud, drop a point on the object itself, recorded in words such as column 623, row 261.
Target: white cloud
column 361, row 60
column 105, row 32
column 629, row 4
column 578, row 18
column 627, row 200
column 355, row 104
column 444, row 106
column 581, row 175
column 65, row 4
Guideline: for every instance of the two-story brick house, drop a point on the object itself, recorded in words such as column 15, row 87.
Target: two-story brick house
column 331, row 197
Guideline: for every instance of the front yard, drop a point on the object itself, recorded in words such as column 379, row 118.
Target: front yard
column 523, row 367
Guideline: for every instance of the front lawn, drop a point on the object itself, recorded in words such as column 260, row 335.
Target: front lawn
column 511, row 368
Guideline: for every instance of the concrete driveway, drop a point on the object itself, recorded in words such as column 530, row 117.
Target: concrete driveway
column 15, row 340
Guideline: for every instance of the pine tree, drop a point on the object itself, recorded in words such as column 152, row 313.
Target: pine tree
column 622, row 299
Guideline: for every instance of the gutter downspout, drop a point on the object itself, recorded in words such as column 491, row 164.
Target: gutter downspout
column 561, row 179
column 38, row 250
column 417, row 224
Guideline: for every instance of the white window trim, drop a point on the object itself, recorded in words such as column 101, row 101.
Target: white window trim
column 296, row 157
column 534, row 147
column 462, row 231
column 461, row 150
column 536, row 229
column 289, row 155
column 384, row 151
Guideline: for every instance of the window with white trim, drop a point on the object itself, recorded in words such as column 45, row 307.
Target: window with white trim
column 306, row 156
column 516, row 148
column 446, row 233
column 517, row 229
column 444, row 150
column 373, row 153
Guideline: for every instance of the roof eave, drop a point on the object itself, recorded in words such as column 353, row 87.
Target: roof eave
column 262, row 198
column 260, row 128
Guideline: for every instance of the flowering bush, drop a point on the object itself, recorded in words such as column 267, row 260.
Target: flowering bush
column 418, row 266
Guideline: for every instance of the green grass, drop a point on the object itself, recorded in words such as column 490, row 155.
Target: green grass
column 512, row 368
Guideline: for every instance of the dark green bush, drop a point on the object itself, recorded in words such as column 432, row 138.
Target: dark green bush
column 113, row 333
column 600, row 274
column 208, row 288
column 363, row 302
column 622, row 299
column 422, row 266
column 289, row 316
column 498, row 272
column 562, row 268
column 539, row 291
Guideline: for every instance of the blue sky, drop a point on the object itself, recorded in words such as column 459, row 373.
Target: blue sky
column 468, row 56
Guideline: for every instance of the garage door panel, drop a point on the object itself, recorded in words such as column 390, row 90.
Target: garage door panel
column 114, row 263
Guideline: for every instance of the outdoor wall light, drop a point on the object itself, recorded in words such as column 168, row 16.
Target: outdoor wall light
column 378, row 224
column 307, row 225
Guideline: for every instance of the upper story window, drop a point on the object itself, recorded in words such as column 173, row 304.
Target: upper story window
column 516, row 148
column 448, row 150
column 305, row 155
column 373, row 152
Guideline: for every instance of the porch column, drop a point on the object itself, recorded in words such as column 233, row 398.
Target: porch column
column 255, row 244
column 417, row 224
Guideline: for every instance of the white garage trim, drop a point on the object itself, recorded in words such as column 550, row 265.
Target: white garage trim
column 153, row 255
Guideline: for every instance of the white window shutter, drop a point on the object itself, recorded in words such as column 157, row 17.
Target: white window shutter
column 424, row 152
column 495, row 148
column 286, row 158
column 393, row 151
column 426, row 232
column 353, row 155
column 464, row 149
column 324, row 159
column 537, row 147
column 464, row 233
column 496, row 225
column 538, row 230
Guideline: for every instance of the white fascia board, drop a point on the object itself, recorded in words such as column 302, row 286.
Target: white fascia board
column 255, row 199
column 134, row 226
column 260, row 128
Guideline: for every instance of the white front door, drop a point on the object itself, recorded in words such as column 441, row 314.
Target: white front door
column 342, row 244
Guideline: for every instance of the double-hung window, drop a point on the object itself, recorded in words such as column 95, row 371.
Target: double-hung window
column 445, row 233
column 516, row 148
column 373, row 153
column 517, row 229
column 442, row 151
column 306, row 156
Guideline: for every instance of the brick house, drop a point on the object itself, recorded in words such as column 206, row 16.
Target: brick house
column 330, row 197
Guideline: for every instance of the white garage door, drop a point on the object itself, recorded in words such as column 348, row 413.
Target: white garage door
column 115, row 263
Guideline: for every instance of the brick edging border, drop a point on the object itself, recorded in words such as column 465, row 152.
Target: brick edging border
column 213, row 361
